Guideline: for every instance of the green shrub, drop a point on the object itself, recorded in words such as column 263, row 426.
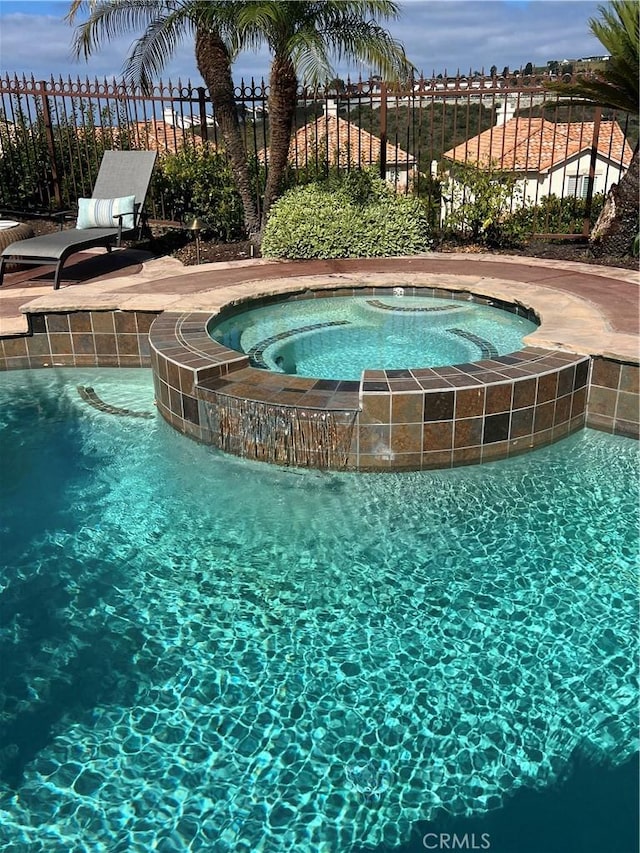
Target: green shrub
column 196, row 182
column 480, row 204
column 356, row 216
column 553, row 215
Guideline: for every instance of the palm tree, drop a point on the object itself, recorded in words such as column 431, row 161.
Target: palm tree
column 164, row 24
column 616, row 87
column 302, row 37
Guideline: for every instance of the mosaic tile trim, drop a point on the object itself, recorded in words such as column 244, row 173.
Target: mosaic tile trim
column 89, row 396
column 256, row 353
column 486, row 347
column 376, row 303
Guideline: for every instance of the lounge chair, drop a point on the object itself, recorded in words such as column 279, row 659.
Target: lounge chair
column 113, row 212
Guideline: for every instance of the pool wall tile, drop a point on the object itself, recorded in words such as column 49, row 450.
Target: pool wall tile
column 190, row 409
column 494, row 450
column 57, row 322
column 439, row 405
column 630, row 379
column 375, row 408
column 375, row 439
column 437, row 435
column 406, row 438
column 407, row 408
column 613, row 402
column 60, row 343
column 468, row 432
column 466, row 456
column 605, row 373
column 469, row 402
column 629, row 429
column 437, row 459
column 83, row 343
column 17, row 363
column 547, row 387
column 562, row 411
column 543, row 417
column 103, row 322
column 566, row 379
column 578, row 402
column 496, row 428
column 15, row 347
column 602, row 401
column 627, row 407
column 105, row 344
column 391, row 420
column 499, row 398
column 522, row 422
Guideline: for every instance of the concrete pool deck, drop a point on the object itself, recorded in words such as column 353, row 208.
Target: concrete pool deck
column 580, row 366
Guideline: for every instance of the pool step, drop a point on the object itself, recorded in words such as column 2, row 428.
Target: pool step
column 90, row 397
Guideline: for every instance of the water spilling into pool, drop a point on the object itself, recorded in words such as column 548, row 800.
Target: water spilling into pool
column 205, row 654
column 339, row 337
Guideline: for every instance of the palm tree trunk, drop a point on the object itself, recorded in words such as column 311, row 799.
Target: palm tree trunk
column 283, row 93
column 214, row 63
column 618, row 224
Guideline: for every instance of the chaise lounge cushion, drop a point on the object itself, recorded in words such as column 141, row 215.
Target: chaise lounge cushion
column 104, row 212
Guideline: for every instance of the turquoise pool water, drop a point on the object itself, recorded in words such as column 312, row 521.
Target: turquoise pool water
column 204, row 654
column 338, row 338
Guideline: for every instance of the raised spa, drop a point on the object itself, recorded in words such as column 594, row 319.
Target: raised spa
column 434, row 378
column 340, row 337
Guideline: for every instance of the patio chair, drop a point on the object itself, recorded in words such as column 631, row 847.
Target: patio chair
column 113, row 212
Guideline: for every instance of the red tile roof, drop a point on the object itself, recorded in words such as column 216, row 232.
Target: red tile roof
column 340, row 141
column 157, row 135
column 537, row 145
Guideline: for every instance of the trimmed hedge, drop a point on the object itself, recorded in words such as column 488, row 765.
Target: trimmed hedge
column 358, row 216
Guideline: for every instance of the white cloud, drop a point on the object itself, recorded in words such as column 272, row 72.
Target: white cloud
column 449, row 34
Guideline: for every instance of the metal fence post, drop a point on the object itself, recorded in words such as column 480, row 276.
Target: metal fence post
column 383, row 131
column 48, row 132
column 202, row 104
column 586, row 225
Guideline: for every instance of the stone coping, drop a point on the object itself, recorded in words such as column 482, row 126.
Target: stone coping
column 183, row 339
column 575, row 309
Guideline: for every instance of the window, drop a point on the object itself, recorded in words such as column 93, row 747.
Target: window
column 578, row 184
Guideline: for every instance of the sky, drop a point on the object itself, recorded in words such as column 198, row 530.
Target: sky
column 438, row 35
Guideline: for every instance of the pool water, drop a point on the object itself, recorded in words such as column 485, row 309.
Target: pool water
column 202, row 653
column 339, row 337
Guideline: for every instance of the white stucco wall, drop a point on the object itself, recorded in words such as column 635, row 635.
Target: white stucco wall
column 532, row 187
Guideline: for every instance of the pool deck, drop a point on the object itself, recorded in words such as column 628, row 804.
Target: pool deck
column 584, row 308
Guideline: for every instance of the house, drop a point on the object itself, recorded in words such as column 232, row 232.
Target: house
column 345, row 144
column 166, row 137
column 549, row 158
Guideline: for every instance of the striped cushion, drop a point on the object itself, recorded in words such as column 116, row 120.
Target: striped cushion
column 100, row 212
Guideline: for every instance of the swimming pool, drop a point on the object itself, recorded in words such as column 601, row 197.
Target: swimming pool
column 340, row 337
column 204, row 653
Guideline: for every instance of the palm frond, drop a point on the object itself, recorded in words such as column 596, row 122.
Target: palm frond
column 109, row 20
column 618, row 30
column 151, row 52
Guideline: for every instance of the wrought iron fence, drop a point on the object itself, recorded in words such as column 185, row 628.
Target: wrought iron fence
column 563, row 154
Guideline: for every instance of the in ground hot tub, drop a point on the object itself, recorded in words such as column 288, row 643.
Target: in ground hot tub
column 341, row 337
column 459, row 386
